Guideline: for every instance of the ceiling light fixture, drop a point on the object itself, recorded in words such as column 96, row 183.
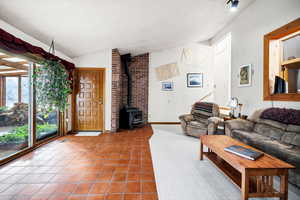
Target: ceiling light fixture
column 233, row 4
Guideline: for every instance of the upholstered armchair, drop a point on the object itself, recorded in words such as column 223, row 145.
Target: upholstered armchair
column 202, row 120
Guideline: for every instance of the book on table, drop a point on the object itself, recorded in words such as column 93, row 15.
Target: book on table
column 244, row 152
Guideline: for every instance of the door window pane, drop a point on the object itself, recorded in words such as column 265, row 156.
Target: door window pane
column 11, row 91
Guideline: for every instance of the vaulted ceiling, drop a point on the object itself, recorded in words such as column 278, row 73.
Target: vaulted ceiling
column 84, row 26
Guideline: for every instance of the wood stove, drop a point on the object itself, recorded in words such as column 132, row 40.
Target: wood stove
column 130, row 117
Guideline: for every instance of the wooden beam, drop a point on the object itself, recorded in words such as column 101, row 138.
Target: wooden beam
column 22, row 62
column 13, row 64
column 14, row 74
column 8, row 70
column 4, row 56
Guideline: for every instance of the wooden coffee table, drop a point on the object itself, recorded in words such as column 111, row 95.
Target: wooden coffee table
column 254, row 178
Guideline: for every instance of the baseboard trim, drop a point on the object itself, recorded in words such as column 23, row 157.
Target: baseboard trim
column 170, row 123
column 107, row 131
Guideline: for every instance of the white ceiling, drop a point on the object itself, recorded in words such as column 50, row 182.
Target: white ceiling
column 137, row 26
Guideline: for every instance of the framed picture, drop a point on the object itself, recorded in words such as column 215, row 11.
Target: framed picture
column 245, row 75
column 195, row 80
column 167, row 86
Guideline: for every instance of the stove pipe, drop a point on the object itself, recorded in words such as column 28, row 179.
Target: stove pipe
column 126, row 59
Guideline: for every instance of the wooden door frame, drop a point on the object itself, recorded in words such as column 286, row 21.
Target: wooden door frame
column 74, row 93
column 281, row 32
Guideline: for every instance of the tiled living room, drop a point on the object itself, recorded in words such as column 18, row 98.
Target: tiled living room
column 148, row 100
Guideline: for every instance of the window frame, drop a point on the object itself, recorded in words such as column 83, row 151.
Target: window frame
column 3, row 89
column 33, row 141
column 277, row 34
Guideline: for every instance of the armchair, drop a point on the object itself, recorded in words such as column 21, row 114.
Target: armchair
column 197, row 123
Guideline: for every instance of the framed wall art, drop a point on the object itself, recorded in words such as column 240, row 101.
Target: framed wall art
column 195, row 80
column 245, row 75
column 167, row 86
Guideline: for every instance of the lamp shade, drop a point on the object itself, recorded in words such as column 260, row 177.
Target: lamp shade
column 233, row 103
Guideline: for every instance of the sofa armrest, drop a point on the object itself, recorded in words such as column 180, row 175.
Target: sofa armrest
column 238, row 124
column 213, row 123
column 215, row 120
column 186, row 118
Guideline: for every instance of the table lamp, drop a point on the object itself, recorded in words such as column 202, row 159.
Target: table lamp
column 233, row 104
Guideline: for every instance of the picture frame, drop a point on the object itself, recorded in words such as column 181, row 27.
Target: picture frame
column 195, row 80
column 167, row 86
column 245, row 75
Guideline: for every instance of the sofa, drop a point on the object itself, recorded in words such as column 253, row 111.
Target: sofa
column 275, row 131
column 197, row 122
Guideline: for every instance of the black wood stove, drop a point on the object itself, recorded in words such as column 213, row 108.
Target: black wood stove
column 130, row 117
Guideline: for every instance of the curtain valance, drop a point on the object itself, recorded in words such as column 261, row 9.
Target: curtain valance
column 15, row 45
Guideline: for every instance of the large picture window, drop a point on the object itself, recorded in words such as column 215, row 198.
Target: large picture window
column 11, row 88
column 25, row 89
column 21, row 121
column 14, row 111
column 16, row 90
column 46, row 125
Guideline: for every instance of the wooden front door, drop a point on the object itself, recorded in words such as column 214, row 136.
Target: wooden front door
column 89, row 115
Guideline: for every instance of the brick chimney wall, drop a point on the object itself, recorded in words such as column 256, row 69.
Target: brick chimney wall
column 139, row 70
column 116, row 103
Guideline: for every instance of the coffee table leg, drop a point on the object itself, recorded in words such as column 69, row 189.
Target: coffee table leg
column 284, row 186
column 245, row 185
column 201, row 150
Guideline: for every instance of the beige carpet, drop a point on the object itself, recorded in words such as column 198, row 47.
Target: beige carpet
column 181, row 176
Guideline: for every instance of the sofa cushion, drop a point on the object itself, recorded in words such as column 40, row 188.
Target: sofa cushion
column 293, row 128
column 239, row 124
column 296, row 140
column 273, row 123
column 250, row 138
column 202, row 114
column 291, row 138
column 288, row 153
column 268, row 131
column 197, row 124
column 196, row 131
column 288, row 137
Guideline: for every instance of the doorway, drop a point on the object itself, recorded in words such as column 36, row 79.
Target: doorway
column 89, row 99
column 222, row 71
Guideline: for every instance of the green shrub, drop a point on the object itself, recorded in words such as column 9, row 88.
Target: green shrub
column 20, row 133
column 45, row 128
column 16, row 135
column 3, row 109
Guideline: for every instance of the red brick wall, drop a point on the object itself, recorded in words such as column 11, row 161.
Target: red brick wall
column 139, row 70
column 116, row 89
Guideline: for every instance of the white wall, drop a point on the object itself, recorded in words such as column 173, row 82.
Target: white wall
column 17, row 33
column 100, row 59
column 222, row 71
column 166, row 106
column 248, row 29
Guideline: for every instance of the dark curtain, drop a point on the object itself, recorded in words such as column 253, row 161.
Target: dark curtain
column 15, row 45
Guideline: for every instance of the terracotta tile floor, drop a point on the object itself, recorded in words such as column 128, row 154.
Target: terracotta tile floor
column 106, row 167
